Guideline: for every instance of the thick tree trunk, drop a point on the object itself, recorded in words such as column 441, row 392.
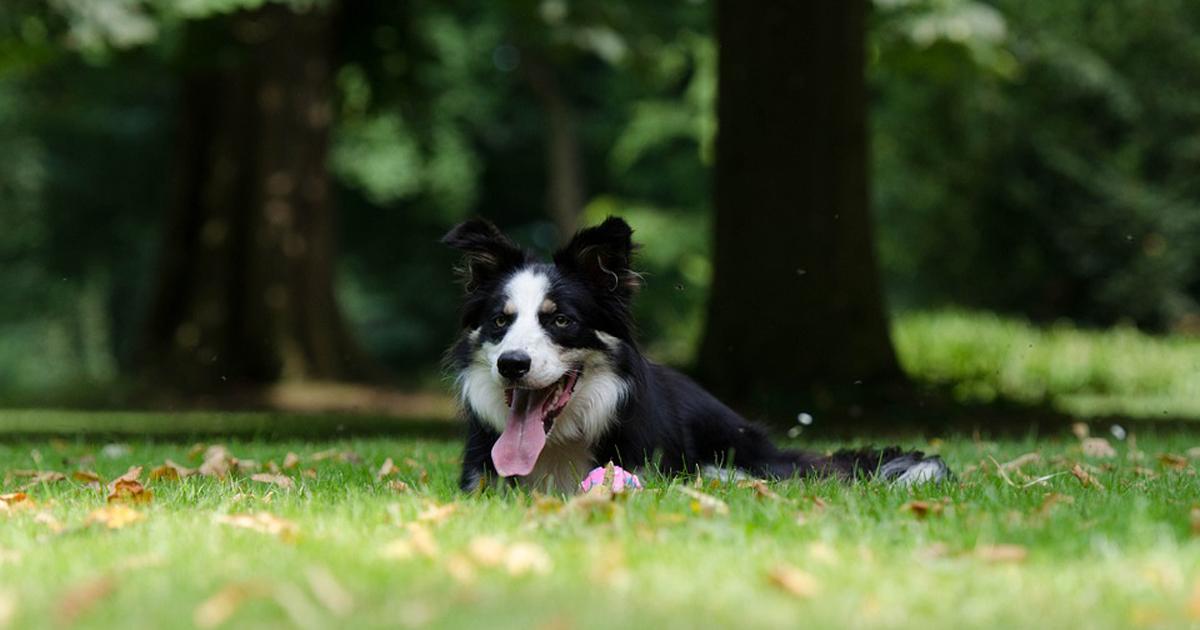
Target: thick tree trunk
column 564, row 155
column 245, row 292
column 796, row 313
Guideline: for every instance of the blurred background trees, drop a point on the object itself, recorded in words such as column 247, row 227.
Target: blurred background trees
column 1026, row 157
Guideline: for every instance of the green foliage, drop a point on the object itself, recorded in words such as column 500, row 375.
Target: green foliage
column 1116, row 372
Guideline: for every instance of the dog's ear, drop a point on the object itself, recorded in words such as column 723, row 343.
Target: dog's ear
column 603, row 255
column 487, row 252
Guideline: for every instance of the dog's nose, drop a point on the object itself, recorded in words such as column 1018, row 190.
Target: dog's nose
column 513, row 364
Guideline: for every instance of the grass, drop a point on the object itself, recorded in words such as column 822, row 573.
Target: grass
column 1089, row 373
column 989, row 550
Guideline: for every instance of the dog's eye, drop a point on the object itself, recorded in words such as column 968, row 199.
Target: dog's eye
column 500, row 321
column 562, row 321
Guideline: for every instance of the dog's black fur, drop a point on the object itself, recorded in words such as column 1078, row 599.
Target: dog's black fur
column 663, row 417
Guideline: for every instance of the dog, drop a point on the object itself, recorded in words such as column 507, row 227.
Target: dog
column 553, row 385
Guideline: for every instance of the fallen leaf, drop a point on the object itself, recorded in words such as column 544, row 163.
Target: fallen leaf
column 342, row 456
column 279, row 480
column 922, row 509
column 437, row 514
column 760, row 488
column 128, row 488
column 14, row 501
column 48, row 519
column 1097, row 447
column 1053, row 499
column 88, row 478
column 793, row 581
column 329, row 592
column 398, row 486
column 525, row 557
column 460, row 569
column 1080, row 429
column 290, row 461
column 261, row 522
column 115, row 516
column 8, row 607
column 82, row 597
column 37, row 477
column 1021, row 461
column 1170, row 460
column 310, row 473
column 1196, row 521
column 705, row 504
column 171, row 471
column 1001, row 553
column 218, row 461
column 487, row 551
column 419, row 541
column 217, row 609
column 386, row 470
column 1085, row 478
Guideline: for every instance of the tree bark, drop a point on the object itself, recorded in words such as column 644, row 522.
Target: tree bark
column 796, row 316
column 245, row 288
column 564, row 155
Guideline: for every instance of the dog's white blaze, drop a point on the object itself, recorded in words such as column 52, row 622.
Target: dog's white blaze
column 526, row 291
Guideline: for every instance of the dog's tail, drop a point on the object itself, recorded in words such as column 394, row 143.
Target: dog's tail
column 889, row 464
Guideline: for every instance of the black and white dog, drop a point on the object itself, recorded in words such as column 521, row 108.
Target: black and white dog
column 553, row 384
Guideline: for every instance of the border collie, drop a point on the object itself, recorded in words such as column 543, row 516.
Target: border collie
column 553, row 384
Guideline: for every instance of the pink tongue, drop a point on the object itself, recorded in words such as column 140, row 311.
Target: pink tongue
column 518, row 448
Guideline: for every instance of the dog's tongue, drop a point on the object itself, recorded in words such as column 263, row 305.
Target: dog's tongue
column 518, row 448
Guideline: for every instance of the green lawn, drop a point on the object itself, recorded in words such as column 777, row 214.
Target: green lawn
column 989, row 550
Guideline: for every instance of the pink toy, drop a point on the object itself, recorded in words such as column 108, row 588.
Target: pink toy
column 621, row 479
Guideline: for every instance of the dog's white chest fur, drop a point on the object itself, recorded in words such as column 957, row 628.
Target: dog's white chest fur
column 560, row 468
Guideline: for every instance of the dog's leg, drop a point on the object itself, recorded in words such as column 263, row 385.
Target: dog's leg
column 477, row 470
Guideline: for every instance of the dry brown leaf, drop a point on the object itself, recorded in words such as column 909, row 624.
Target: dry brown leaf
column 1001, row 553
column 487, row 551
column 37, row 477
column 1097, row 447
column 329, row 592
column 525, row 557
column 386, row 470
column 8, row 607
column 115, row 516
column 290, row 461
column 217, row 609
column 171, row 471
column 1085, row 478
column 398, row 486
column 310, row 473
column 261, row 522
column 218, row 461
column 705, row 504
column 419, row 541
column 1021, row 461
column 1080, row 429
column 129, row 491
column 345, row 457
column 761, row 489
column 14, row 501
column 922, row 509
column 1170, row 460
column 793, row 581
column 82, row 597
column 88, row 478
column 461, row 569
column 279, row 480
column 437, row 514
column 1053, row 499
column 1195, row 521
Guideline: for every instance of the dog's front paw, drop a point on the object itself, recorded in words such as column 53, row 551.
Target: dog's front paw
column 611, row 475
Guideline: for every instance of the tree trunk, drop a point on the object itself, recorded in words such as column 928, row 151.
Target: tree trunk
column 796, row 316
column 564, row 161
column 245, row 289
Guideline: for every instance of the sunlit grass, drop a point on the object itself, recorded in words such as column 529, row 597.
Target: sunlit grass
column 990, row 550
column 1118, row 371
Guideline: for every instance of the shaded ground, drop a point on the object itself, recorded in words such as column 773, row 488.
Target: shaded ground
column 1018, row 540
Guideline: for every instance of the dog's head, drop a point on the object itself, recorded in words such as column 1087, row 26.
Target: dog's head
column 540, row 339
